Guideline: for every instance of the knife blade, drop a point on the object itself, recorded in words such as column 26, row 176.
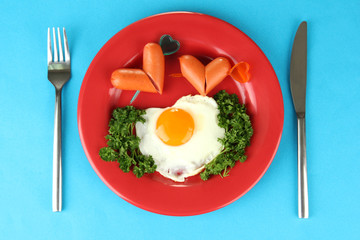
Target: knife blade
column 298, row 73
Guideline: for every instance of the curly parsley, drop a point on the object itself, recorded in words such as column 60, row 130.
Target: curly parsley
column 123, row 145
column 238, row 131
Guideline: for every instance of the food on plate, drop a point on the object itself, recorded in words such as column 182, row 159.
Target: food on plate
column 181, row 138
column 121, row 78
column 196, row 134
column 123, row 145
column 240, row 72
column 238, row 132
column 206, row 78
column 150, row 79
column 168, row 44
column 215, row 72
column 194, row 71
column 154, row 65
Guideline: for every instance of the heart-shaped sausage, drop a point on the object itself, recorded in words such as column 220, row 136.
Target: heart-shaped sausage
column 204, row 78
column 150, row 79
column 240, row 72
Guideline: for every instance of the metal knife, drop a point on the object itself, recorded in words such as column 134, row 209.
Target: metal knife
column 298, row 91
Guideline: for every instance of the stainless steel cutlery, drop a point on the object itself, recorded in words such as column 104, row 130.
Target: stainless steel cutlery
column 59, row 72
column 298, row 72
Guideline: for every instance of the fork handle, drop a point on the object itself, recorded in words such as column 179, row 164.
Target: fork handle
column 57, row 181
column 303, row 202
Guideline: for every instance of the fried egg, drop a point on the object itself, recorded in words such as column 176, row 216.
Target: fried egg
column 181, row 138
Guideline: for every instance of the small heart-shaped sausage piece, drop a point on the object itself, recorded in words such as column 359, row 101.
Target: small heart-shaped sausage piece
column 194, row 71
column 240, row 72
column 215, row 72
column 132, row 79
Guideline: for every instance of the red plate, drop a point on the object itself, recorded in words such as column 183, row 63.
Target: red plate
column 205, row 37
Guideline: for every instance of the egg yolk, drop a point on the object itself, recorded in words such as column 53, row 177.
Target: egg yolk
column 175, row 126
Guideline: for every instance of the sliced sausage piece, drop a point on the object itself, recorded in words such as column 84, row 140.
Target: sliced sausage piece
column 154, row 65
column 215, row 72
column 240, row 72
column 132, row 79
column 194, row 71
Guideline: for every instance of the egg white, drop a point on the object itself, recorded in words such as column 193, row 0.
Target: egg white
column 188, row 159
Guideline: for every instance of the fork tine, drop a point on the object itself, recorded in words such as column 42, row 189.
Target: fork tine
column 49, row 53
column 66, row 47
column 61, row 56
column 55, row 47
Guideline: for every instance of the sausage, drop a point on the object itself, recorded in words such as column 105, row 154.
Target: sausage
column 194, row 71
column 132, row 79
column 154, row 65
column 215, row 72
column 240, row 72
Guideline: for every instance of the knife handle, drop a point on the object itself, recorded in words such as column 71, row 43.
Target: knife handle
column 303, row 200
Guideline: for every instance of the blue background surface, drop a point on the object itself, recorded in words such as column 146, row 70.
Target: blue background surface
column 92, row 211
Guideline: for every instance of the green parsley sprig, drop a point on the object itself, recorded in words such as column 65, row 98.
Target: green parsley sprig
column 238, row 131
column 123, row 145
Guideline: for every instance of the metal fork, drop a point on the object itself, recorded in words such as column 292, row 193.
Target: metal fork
column 59, row 72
